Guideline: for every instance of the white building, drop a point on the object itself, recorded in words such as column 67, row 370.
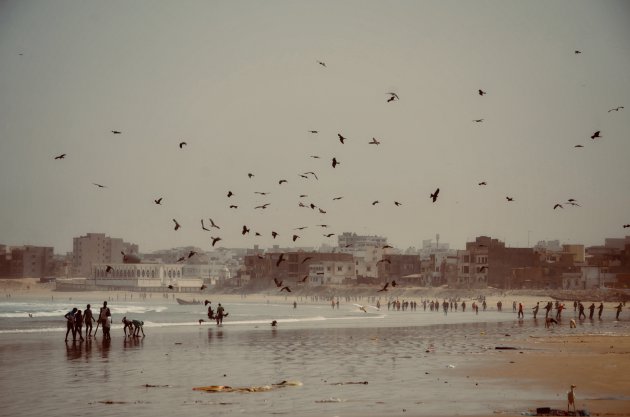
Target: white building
column 331, row 272
column 589, row 277
column 144, row 277
column 97, row 248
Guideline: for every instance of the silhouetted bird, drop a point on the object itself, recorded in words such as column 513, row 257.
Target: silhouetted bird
column 322, row 210
column 278, row 283
column 301, row 228
column 578, row 146
column 250, row 175
column 557, row 206
column 182, row 144
column 322, row 225
column 337, row 198
column 434, row 196
column 108, row 269
column 616, row 109
column 626, row 225
column 263, row 206
column 577, row 52
column 335, row 162
column 213, row 224
column 191, row 254
column 482, row 183
column 313, row 131
column 99, row 185
column 341, row 138
column 257, row 234
column 177, row 226
column 384, row 287
column 280, row 259
column 261, row 192
column 303, row 279
column 396, row 203
column 181, row 259
column 158, row 201
column 312, row 173
column 230, row 194
column 323, row 64
column 392, row 97
column 245, row 230
column 315, row 156
column 295, row 237
column 478, row 120
column 329, row 235
column 285, row 288
column 170, row 287
column 232, row 206
column 274, row 234
column 509, row 198
column 63, row 155
column 384, row 260
column 203, row 287
column 374, row 142
column 481, row 92
column 281, row 181
column 596, row 135
column 215, row 240
column 206, row 302
column 116, row 132
column 306, row 259
column 387, row 247
column 374, row 202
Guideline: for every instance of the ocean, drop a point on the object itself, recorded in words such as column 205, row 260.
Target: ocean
column 318, row 361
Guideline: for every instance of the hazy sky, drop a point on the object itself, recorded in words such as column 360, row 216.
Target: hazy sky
column 240, row 83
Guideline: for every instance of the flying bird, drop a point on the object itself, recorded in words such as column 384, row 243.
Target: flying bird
column 616, row 109
column 261, row 192
column 206, row 302
column 578, row 146
column 63, row 155
column 397, row 204
column 315, row 156
column 477, row 120
column 322, row 211
column 301, row 228
column 212, row 224
column 182, row 258
column 306, row 259
column 626, row 226
column 230, row 194
column 99, row 185
column 303, row 279
column 314, row 131
column 577, row 52
column 596, row 135
column 392, row 97
column 203, row 287
column 158, row 201
column 257, row 234
column 312, row 173
column 278, row 283
column 434, row 196
column 557, row 205
column 362, row 308
column 387, row 247
column 280, row 259
column 374, row 142
column 285, row 288
column 482, row 183
column 232, row 206
column 384, row 287
column 329, row 235
column 337, row 198
column 341, row 138
column 215, row 240
column 177, row 226
column 384, row 260
column 191, row 254
column 274, row 234
column 116, row 132
column 481, row 92
column 263, row 206
column 375, row 202
column 182, row 144
column 322, row 225
column 170, row 287
column 108, row 269
column 250, row 175
column 245, row 230
column 509, row 198
column 281, row 181
column 323, row 64
column 295, row 237
column 335, row 162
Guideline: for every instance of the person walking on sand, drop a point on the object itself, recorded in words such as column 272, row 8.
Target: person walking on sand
column 535, row 308
column 78, row 324
column 104, row 320
column 220, row 314
column 591, row 310
column 520, row 314
column 619, row 308
column 600, row 309
column 88, row 318
column 70, row 324
column 581, row 310
column 559, row 311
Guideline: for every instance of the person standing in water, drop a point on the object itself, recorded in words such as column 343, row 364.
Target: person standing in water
column 70, row 324
column 220, row 314
column 88, row 318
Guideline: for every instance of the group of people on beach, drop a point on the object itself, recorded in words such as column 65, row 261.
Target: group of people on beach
column 218, row 315
column 75, row 319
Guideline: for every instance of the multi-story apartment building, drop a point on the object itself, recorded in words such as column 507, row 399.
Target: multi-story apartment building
column 352, row 240
column 27, row 261
column 97, row 248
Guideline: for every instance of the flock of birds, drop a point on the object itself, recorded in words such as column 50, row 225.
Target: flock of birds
column 312, row 175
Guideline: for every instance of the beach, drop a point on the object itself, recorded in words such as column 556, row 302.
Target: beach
column 318, row 361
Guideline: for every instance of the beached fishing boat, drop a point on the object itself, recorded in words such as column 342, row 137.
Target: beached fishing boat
column 186, row 302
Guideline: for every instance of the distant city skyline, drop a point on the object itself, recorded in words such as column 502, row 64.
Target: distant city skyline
column 129, row 118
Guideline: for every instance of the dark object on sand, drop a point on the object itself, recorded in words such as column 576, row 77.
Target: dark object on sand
column 548, row 411
column 505, row 348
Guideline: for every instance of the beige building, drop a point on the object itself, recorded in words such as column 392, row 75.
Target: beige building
column 331, row 272
column 144, row 277
column 97, row 248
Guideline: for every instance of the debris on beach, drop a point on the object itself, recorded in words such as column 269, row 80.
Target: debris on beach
column 330, row 400
column 155, row 386
column 548, row 411
column 505, row 348
column 261, row 388
column 350, row 382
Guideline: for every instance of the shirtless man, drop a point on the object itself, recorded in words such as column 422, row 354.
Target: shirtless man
column 88, row 318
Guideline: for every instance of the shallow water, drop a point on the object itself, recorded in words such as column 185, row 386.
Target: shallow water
column 406, row 357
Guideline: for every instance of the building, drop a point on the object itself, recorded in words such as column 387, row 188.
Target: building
column 352, row 240
column 395, row 267
column 589, row 277
column 26, row 261
column 332, row 272
column 96, row 248
column 149, row 277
